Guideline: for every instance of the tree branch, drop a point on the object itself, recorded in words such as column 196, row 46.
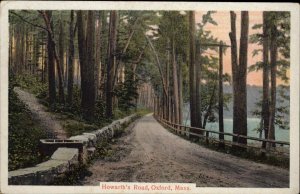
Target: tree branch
column 158, row 64
column 75, row 27
column 124, row 50
column 25, row 20
column 141, row 54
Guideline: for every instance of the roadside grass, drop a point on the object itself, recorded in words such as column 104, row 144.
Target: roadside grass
column 73, row 177
column 73, row 127
column 249, row 154
column 143, row 111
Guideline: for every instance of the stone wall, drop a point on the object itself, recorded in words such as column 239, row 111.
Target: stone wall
column 66, row 159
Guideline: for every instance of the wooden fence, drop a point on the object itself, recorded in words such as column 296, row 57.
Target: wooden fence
column 205, row 133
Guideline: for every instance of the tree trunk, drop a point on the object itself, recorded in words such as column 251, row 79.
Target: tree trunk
column 45, row 71
column 51, row 66
column 192, row 68
column 16, row 46
column 19, row 50
column 81, row 43
column 78, row 72
column 111, row 63
column 221, row 120
column 265, row 102
column 98, row 54
column 273, row 61
column 242, row 77
column 180, row 91
column 61, row 46
column 10, row 58
column 87, row 63
column 22, row 48
column 43, row 64
column 13, row 49
column 35, row 54
column 209, row 108
column 71, row 60
column 61, row 93
column 66, row 67
column 88, row 95
column 239, row 73
column 104, row 55
column 168, row 97
column 49, row 25
column 27, row 55
column 165, row 106
column 198, row 87
column 234, row 70
column 175, row 83
column 31, row 48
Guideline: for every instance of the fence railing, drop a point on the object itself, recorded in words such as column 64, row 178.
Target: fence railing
column 205, row 133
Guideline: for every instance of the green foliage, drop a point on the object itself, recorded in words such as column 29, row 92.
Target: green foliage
column 77, row 127
column 168, row 24
column 209, row 71
column 73, row 177
column 71, row 111
column 256, row 52
column 142, row 112
column 281, row 20
column 257, row 26
column 103, row 149
column 137, row 23
column 173, row 23
column 33, row 84
column 207, row 18
column 256, row 67
column 204, row 35
column 127, row 93
column 282, row 111
column 256, row 39
column 100, row 112
column 119, row 114
column 254, row 155
column 283, row 107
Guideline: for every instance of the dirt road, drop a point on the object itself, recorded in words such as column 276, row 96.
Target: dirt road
column 149, row 153
column 40, row 114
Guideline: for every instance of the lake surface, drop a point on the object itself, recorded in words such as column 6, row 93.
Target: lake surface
column 253, row 123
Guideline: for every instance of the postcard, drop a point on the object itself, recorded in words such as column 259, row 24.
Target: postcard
column 149, row 97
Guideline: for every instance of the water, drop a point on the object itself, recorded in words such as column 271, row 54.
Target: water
column 280, row 134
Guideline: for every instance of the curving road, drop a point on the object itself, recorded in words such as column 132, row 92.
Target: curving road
column 149, row 153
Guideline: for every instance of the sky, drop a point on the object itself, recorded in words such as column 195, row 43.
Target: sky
column 221, row 31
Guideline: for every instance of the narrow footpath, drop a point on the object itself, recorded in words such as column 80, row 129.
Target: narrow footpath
column 40, row 114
